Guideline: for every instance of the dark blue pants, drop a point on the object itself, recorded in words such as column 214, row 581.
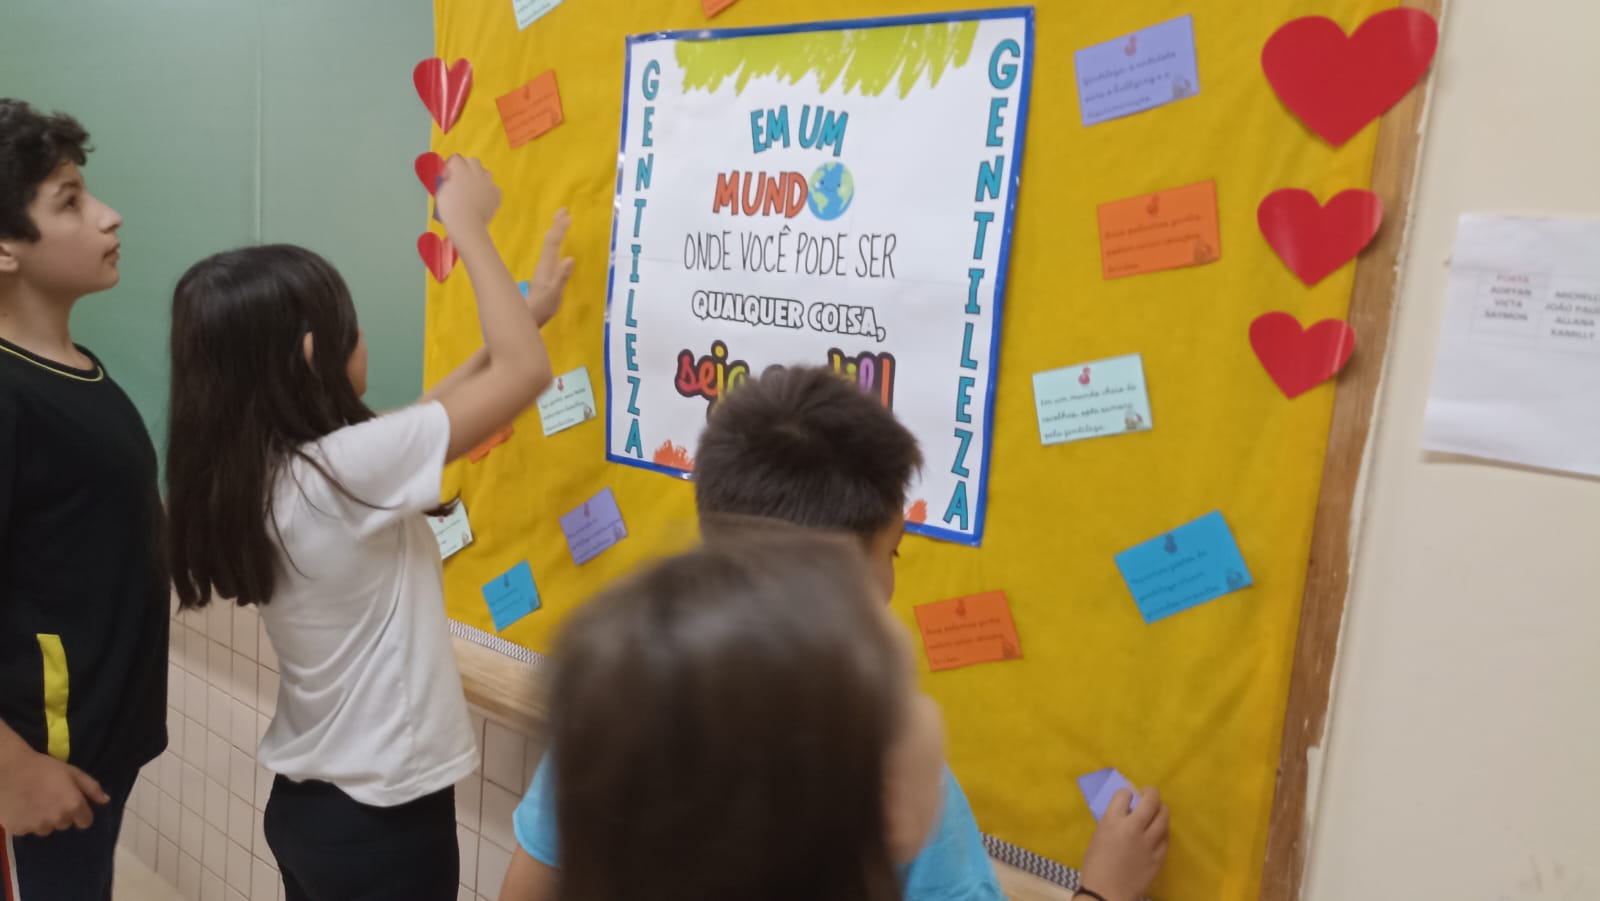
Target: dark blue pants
column 74, row 865
column 331, row 847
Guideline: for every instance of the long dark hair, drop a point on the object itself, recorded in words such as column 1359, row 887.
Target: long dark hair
column 719, row 728
column 244, row 402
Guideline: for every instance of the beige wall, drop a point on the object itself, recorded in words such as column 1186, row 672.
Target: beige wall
column 1464, row 757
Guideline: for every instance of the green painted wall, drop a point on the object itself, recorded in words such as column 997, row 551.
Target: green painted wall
column 218, row 123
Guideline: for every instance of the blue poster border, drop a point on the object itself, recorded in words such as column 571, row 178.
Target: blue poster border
column 1025, row 91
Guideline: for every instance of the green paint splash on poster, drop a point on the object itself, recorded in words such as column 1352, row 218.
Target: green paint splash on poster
column 867, row 60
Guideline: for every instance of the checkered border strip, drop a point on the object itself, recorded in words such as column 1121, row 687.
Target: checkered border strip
column 1031, row 863
column 496, row 643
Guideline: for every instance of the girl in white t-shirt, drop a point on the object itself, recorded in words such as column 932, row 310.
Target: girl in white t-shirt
column 286, row 491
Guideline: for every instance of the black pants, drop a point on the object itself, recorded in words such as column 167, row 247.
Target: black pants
column 71, row 865
column 331, row 847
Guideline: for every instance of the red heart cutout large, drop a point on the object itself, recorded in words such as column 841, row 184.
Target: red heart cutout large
column 430, row 168
column 443, row 91
column 438, row 254
column 1301, row 359
column 1315, row 240
column 1338, row 84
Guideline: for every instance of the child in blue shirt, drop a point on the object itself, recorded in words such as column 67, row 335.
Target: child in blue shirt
column 804, row 447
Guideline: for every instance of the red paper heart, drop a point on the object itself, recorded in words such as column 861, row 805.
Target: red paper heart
column 438, row 254
column 430, row 168
column 443, row 91
column 1301, row 359
column 1315, row 240
column 1338, row 84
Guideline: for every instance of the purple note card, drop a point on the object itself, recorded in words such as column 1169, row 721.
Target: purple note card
column 1099, row 786
column 1137, row 72
column 593, row 527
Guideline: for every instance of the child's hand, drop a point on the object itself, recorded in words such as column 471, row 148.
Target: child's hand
column 468, row 197
column 40, row 795
column 1127, row 848
column 550, row 275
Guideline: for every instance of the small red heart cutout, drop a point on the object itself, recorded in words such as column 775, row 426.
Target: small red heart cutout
column 438, row 254
column 430, row 168
column 1315, row 240
column 1338, row 84
column 1301, row 359
column 443, row 91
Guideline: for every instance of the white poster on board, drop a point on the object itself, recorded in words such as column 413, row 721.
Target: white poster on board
column 1518, row 369
column 835, row 194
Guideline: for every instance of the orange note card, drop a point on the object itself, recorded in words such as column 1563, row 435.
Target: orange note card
column 1165, row 230
column 712, row 7
column 498, row 438
column 963, row 631
column 530, row 110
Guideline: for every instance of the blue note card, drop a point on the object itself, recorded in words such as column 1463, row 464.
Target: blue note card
column 1106, row 397
column 1137, row 72
column 593, row 527
column 512, row 596
column 1188, row 566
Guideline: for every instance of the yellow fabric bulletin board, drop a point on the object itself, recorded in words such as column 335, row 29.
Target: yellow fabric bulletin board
column 1193, row 704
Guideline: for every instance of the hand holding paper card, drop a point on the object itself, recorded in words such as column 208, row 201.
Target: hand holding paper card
column 1188, row 566
column 963, row 631
column 1100, row 786
column 1166, row 230
column 1145, row 70
column 511, row 596
column 593, row 527
column 1106, row 397
column 567, row 402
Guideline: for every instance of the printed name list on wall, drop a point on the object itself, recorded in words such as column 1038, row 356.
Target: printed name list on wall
column 836, row 194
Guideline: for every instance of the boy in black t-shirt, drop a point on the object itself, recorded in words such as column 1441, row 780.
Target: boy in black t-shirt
column 83, row 588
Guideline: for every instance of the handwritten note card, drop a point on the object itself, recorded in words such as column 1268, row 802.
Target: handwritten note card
column 1188, row 566
column 1166, row 230
column 1100, row 786
column 452, row 531
column 511, row 596
column 963, row 631
column 531, row 110
column 593, row 527
column 1140, row 71
column 567, row 402
column 529, row 11
column 1087, row 400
